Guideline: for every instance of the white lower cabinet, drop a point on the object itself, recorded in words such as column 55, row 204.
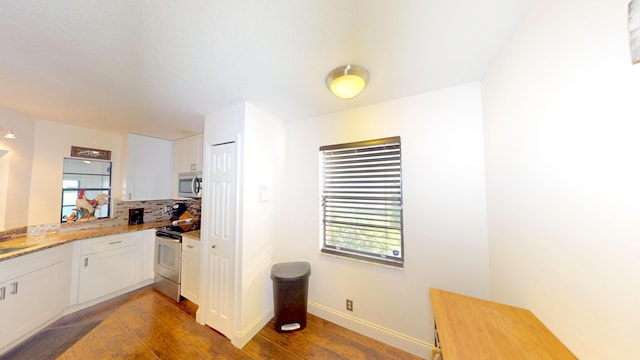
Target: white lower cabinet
column 34, row 289
column 108, row 271
column 111, row 263
column 190, row 286
column 38, row 288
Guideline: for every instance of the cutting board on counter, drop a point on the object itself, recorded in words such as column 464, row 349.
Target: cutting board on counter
column 185, row 216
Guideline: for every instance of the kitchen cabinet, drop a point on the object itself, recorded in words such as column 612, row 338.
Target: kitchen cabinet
column 34, row 290
column 187, row 154
column 149, row 168
column 190, row 287
column 111, row 263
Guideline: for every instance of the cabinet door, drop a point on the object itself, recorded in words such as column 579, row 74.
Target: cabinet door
column 31, row 300
column 190, row 287
column 149, row 168
column 187, row 154
column 194, row 152
column 180, row 160
column 109, row 271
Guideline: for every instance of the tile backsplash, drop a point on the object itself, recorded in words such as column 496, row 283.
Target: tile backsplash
column 153, row 211
column 13, row 233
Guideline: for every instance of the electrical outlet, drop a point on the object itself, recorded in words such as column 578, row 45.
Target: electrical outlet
column 167, row 208
column 349, row 305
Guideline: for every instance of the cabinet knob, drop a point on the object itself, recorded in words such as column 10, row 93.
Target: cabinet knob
column 213, row 246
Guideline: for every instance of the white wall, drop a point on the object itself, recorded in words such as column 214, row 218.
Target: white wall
column 4, row 185
column 16, row 168
column 563, row 182
column 445, row 230
column 52, row 143
column 264, row 149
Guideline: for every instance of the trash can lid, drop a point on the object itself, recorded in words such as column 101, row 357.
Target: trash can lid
column 290, row 270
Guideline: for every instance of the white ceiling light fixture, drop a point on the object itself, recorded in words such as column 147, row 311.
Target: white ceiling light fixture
column 347, row 81
column 8, row 134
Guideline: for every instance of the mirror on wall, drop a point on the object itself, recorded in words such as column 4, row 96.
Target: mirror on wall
column 86, row 190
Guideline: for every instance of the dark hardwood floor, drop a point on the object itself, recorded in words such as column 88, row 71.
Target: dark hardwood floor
column 148, row 325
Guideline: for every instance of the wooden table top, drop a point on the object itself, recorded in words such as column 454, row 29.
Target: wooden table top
column 472, row 328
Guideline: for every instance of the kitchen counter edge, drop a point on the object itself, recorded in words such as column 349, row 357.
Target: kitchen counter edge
column 30, row 244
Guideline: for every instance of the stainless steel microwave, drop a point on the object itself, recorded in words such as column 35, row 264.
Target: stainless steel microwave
column 190, row 184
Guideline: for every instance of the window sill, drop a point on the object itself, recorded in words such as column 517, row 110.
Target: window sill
column 362, row 259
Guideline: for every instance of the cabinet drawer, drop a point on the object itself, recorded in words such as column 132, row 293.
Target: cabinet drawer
column 104, row 243
column 191, row 246
column 31, row 262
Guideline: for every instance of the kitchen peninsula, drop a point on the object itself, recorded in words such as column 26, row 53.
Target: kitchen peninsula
column 27, row 244
column 46, row 276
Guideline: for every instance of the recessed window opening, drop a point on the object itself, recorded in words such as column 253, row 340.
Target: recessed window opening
column 83, row 183
column 361, row 200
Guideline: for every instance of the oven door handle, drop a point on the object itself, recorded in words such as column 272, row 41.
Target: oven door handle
column 168, row 239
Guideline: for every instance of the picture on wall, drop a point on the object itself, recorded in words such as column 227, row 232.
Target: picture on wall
column 634, row 30
column 87, row 153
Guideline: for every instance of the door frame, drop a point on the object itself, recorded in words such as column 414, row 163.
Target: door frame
column 207, row 198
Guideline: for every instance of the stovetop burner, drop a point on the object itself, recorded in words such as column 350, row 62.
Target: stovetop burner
column 173, row 231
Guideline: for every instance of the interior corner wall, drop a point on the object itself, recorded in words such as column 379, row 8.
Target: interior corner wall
column 260, row 184
column 561, row 142
column 263, row 175
column 17, row 165
column 53, row 143
column 444, row 211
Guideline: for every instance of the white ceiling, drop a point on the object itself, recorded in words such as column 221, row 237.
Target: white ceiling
column 156, row 67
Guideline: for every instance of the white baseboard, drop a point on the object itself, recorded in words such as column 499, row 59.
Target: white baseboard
column 77, row 307
column 24, row 337
column 71, row 309
column 391, row 337
column 242, row 337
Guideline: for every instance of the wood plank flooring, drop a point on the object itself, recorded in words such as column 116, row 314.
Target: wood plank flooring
column 148, row 325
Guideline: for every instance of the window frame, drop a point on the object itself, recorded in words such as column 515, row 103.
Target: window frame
column 360, row 157
column 79, row 187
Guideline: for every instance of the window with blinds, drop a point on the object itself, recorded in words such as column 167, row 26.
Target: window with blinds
column 361, row 200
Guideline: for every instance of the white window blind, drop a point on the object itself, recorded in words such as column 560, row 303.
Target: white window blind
column 361, row 205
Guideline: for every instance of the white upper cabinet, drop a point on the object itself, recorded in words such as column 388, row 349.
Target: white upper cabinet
column 149, row 168
column 187, row 154
column 187, row 157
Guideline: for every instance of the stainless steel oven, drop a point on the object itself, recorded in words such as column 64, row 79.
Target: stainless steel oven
column 168, row 260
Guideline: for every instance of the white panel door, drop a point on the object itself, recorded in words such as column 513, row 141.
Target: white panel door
column 221, row 249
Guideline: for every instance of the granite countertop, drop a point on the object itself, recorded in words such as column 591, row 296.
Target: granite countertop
column 195, row 234
column 28, row 244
